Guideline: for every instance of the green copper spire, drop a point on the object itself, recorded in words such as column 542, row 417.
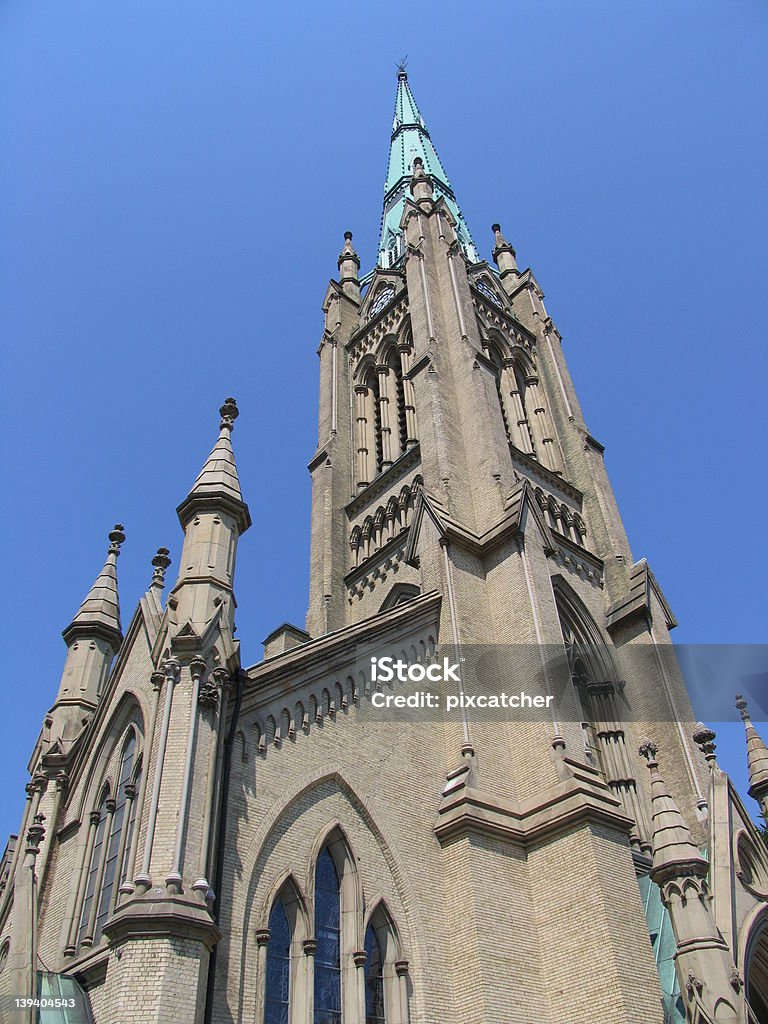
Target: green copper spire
column 410, row 139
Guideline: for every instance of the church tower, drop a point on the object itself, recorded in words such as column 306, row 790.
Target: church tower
column 213, row 842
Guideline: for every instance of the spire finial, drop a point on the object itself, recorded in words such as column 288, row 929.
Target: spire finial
column 100, row 611
column 410, row 138
column 503, row 253
column 160, row 563
column 116, row 538
column 349, row 268
column 757, row 757
column 218, row 481
column 421, row 182
column 649, row 750
column 743, row 707
column 229, row 413
column 673, row 848
column 704, row 738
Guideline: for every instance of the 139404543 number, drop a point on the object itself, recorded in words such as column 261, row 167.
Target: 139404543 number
column 43, row 1004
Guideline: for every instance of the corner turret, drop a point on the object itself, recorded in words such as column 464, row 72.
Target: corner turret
column 705, row 969
column 349, row 269
column 504, row 258
column 93, row 638
column 757, row 759
column 213, row 516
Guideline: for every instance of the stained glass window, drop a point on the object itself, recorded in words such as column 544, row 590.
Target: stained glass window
column 485, row 289
column 374, row 981
column 277, row 1003
column 131, row 827
column 106, row 849
column 383, row 296
column 93, row 870
column 328, row 936
column 113, row 849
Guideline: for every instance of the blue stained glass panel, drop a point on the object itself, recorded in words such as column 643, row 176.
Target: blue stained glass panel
column 328, row 936
column 278, row 981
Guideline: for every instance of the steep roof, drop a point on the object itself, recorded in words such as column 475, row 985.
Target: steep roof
column 218, row 481
column 99, row 614
column 411, row 139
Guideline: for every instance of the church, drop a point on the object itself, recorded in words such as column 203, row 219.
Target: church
column 210, row 842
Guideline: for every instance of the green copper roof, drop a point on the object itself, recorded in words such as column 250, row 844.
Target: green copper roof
column 664, row 947
column 410, row 138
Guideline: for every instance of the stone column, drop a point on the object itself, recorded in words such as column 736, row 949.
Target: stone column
column 173, row 880
column 263, row 935
column 543, row 431
column 401, row 970
column 616, row 763
column 143, row 881
column 130, row 795
column 79, row 892
column 409, row 401
column 310, row 948
column 363, row 431
column 385, row 416
column 359, row 959
column 213, row 697
column 514, row 409
column 90, row 927
column 23, row 945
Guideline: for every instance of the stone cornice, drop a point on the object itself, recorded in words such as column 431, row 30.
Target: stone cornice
column 214, row 501
column 546, row 476
column 527, row 280
column 89, row 630
column 637, row 599
column 480, row 544
column 334, row 290
column 575, row 551
column 318, row 459
column 384, row 481
column 380, row 555
column 482, row 303
column 580, row 799
column 172, row 916
column 335, row 651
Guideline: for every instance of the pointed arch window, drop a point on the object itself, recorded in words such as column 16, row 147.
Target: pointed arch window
column 374, row 979
column 99, row 821
column 278, row 987
column 593, row 674
column 113, row 825
column 328, row 937
column 114, row 852
column 485, row 289
column 383, row 296
column 131, row 788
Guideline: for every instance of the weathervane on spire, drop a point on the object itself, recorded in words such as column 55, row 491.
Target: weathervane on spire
column 401, row 66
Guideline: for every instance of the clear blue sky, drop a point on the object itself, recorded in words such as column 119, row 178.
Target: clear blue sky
column 175, row 180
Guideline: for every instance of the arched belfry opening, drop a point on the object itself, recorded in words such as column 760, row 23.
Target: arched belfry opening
column 596, row 686
column 756, row 973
